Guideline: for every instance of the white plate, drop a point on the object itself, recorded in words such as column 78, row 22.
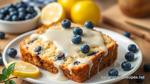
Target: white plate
column 101, row 77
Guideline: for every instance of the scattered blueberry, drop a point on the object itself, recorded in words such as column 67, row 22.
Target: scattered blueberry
column 2, row 35
column 127, row 34
column 129, row 56
column 126, row 66
column 113, row 72
column 85, row 48
column 76, row 63
column 146, row 67
column 77, row 31
column 91, row 53
column 11, row 52
column 76, row 39
column 66, row 23
column 60, row 56
column 1, row 60
column 132, row 48
column 140, row 78
column 38, row 49
column 89, row 24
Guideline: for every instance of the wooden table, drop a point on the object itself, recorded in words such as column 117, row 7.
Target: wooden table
column 144, row 46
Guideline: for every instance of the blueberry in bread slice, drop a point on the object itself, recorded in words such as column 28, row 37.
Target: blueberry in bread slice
column 77, row 54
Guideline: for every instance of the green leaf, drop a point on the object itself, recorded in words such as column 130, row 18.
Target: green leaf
column 10, row 82
column 4, row 73
column 7, row 82
column 7, row 71
column 10, row 69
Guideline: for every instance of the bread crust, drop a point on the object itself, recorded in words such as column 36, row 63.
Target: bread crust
column 79, row 73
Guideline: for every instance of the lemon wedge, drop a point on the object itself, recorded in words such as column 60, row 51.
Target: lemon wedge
column 25, row 70
column 52, row 13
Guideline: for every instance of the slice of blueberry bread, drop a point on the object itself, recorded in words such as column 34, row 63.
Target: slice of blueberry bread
column 74, row 51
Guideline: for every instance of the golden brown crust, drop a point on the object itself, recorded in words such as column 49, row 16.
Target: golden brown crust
column 79, row 73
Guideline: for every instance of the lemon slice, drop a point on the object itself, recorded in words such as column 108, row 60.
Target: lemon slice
column 25, row 70
column 52, row 13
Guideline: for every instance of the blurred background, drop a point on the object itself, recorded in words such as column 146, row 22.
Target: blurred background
column 128, row 17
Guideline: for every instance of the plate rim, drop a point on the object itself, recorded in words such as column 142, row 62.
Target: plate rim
column 99, row 29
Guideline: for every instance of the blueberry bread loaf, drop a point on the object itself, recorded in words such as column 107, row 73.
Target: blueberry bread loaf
column 74, row 51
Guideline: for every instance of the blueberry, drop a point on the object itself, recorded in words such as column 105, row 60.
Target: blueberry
column 21, row 15
column 30, row 9
column 2, row 16
column 127, row 34
column 21, row 9
column 66, row 23
column 140, row 78
column 76, row 63
column 7, row 18
column 60, row 56
column 76, row 39
column 129, row 56
column 2, row 35
column 28, row 16
column 4, row 11
column 89, row 24
column 11, row 52
column 77, row 31
column 13, row 13
column 126, row 66
column 132, row 48
column 1, row 61
column 11, row 9
column 38, row 49
column 85, row 48
column 113, row 72
column 14, row 18
column 21, row 4
column 146, row 67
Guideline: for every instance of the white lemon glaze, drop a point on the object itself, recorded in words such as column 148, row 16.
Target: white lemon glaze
column 62, row 39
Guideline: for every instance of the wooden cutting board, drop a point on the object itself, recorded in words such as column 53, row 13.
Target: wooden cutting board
column 115, row 14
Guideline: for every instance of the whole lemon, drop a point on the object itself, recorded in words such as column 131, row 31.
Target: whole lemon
column 85, row 10
column 67, row 5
